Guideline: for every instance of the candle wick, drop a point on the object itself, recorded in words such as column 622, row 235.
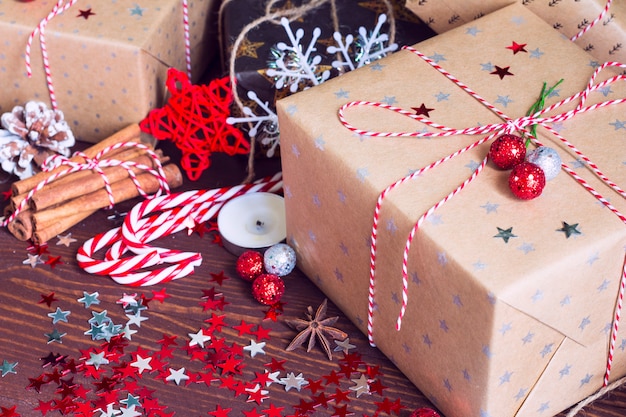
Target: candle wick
column 259, row 224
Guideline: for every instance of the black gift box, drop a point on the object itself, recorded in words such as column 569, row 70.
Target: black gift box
column 255, row 29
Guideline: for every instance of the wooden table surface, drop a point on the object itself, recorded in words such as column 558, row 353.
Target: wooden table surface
column 50, row 366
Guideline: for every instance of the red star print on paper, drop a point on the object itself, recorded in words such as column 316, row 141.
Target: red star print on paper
column 422, row 110
column 501, row 72
column 517, row 47
column 85, row 13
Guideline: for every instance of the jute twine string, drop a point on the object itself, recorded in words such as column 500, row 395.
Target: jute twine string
column 600, row 393
column 273, row 15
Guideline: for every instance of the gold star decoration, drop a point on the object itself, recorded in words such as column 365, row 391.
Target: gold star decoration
column 249, row 49
column 315, row 328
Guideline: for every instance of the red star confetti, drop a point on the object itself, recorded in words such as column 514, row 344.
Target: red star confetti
column 218, row 278
column 109, row 378
column 501, row 72
column 516, row 47
column 47, row 299
column 9, row 412
column 160, row 295
column 53, row 261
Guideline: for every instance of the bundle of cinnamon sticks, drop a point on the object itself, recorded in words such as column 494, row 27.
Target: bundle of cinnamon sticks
column 70, row 198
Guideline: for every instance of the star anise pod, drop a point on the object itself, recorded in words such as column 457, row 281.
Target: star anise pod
column 315, row 327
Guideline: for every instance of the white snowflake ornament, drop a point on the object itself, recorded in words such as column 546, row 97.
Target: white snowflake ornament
column 368, row 47
column 296, row 67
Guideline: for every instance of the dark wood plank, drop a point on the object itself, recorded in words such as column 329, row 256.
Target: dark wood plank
column 24, row 322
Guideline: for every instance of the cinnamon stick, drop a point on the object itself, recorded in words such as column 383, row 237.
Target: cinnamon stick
column 70, row 180
column 22, row 225
column 58, row 193
column 59, row 226
column 131, row 133
column 122, row 190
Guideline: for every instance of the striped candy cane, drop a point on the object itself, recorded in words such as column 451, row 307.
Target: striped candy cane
column 154, row 218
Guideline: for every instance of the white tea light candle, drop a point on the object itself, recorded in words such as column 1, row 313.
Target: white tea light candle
column 252, row 221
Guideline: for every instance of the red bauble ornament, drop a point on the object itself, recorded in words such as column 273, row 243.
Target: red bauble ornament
column 268, row 289
column 250, row 265
column 507, row 151
column 425, row 412
column 527, row 181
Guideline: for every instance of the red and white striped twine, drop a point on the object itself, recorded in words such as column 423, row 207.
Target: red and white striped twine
column 96, row 163
column 595, row 21
column 187, row 40
column 154, row 218
column 509, row 124
column 60, row 7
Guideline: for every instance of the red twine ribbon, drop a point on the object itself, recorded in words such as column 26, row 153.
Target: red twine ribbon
column 595, row 21
column 97, row 163
column 493, row 130
column 58, row 8
column 194, row 118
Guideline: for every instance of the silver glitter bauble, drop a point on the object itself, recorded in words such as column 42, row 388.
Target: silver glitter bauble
column 547, row 159
column 279, row 259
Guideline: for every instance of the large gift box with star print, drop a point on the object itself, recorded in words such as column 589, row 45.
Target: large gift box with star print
column 254, row 29
column 509, row 303
column 604, row 39
column 107, row 61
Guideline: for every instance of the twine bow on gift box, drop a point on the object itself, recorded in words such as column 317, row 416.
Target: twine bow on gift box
column 523, row 124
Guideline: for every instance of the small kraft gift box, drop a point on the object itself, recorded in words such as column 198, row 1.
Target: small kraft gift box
column 104, row 64
column 491, row 304
column 602, row 38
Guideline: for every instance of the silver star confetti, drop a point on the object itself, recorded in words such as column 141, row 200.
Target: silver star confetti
column 255, row 348
column 177, row 375
column 344, row 346
column 8, row 368
column 293, row 381
column 66, row 240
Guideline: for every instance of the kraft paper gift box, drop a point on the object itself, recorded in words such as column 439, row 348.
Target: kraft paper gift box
column 108, row 60
column 510, row 302
column 605, row 40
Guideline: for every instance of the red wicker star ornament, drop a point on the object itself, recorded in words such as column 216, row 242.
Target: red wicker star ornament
column 194, row 118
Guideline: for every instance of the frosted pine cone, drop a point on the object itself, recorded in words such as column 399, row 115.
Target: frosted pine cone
column 33, row 133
